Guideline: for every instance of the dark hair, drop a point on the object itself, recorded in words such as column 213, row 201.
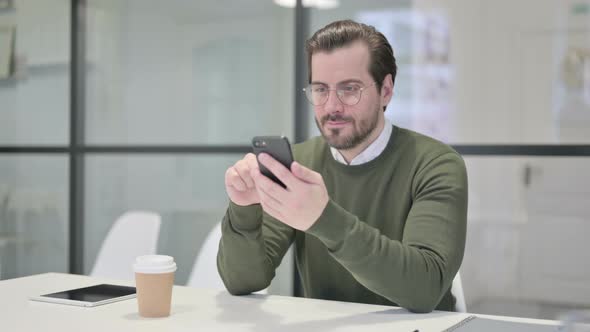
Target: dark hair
column 343, row 33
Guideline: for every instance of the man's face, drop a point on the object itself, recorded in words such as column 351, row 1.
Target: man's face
column 346, row 126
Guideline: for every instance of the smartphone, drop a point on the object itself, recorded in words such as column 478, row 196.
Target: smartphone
column 276, row 146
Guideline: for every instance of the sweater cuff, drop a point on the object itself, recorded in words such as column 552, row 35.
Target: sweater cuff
column 245, row 218
column 333, row 225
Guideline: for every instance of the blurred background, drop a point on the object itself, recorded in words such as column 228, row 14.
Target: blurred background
column 108, row 106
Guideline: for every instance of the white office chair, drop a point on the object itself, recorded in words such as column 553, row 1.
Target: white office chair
column 133, row 234
column 457, row 291
column 204, row 273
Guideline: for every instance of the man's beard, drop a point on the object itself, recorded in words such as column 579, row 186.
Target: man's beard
column 360, row 131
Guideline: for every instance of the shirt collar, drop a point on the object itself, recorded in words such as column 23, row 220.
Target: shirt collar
column 372, row 151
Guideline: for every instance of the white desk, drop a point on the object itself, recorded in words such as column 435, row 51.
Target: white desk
column 196, row 309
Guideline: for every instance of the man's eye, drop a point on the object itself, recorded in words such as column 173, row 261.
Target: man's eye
column 349, row 88
column 319, row 89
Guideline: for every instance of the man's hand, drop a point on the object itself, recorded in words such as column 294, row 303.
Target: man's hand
column 239, row 184
column 301, row 203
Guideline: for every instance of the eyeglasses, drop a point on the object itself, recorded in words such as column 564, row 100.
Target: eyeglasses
column 349, row 93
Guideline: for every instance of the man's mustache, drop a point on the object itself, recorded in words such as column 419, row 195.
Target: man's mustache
column 335, row 117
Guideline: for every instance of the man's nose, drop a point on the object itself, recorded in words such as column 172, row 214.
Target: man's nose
column 333, row 104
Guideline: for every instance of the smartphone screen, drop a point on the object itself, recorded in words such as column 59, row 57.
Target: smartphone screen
column 276, row 146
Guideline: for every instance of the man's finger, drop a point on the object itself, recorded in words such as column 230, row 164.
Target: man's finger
column 234, row 180
column 250, row 159
column 305, row 174
column 276, row 168
column 244, row 172
column 269, row 187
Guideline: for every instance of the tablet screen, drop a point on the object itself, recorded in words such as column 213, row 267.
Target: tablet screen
column 93, row 293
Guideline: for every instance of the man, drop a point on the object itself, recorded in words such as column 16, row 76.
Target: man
column 378, row 213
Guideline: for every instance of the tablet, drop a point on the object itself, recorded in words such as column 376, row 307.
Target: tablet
column 89, row 296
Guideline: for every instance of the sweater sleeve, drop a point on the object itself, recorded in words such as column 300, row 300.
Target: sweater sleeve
column 252, row 246
column 416, row 272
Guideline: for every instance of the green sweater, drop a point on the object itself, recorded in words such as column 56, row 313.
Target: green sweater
column 393, row 232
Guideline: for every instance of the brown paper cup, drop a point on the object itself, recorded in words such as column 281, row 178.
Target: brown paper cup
column 154, row 293
column 154, row 278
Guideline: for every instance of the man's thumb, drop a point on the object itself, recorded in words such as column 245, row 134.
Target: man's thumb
column 305, row 174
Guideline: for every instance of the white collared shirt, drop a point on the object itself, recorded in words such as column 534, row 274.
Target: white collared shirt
column 372, row 151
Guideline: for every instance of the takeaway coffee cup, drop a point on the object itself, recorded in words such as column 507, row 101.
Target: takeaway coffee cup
column 154, row 278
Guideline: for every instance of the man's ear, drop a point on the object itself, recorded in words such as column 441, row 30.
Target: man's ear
column 386, row 90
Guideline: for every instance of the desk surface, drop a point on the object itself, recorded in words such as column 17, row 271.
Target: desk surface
column 195, row 309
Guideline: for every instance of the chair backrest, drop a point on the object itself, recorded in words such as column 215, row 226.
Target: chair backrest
column 133, row 234
column 204, row 273
column 457, row 291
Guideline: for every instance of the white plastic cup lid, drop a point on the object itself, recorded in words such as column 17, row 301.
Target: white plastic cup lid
column 154, row 264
